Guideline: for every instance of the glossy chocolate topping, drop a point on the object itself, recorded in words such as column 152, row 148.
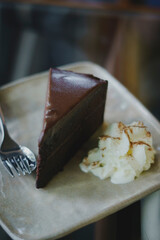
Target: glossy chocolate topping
column 66, row 89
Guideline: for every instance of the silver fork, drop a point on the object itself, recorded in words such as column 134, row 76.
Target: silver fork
column 15, row 158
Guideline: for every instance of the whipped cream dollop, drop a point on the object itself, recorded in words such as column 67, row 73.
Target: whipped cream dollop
column 123, row 153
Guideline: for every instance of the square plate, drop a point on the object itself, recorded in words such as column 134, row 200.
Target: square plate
column 72, row 199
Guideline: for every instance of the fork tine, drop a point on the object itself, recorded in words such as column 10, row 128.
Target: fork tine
column 14, row 165
column 25, row 164
column 5, row 164
column 20, row 167
column 20, row 163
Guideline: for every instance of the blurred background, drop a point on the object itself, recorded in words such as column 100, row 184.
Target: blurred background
column 123, row 36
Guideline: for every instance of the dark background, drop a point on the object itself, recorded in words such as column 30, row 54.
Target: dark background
column 123, row 38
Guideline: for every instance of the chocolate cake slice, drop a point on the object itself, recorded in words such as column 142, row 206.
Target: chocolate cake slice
column 73, row 111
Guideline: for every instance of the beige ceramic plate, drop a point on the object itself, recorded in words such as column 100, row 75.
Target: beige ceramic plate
column 72, row 199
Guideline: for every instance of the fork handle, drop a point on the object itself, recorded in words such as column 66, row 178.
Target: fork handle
column 3, row 125
column 6, row 139
column 1, row 116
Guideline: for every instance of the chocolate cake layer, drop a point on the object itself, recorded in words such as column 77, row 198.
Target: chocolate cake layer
column 74, row 110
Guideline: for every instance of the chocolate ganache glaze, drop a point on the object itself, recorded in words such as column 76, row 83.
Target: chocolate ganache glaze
column 66, row 89
column 73, row 111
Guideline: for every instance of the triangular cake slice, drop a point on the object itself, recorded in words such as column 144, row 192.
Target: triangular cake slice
column 73, row 111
